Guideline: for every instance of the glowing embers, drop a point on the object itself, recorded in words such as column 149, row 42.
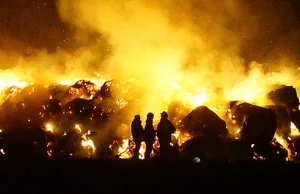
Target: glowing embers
column 86, row 142
column 258, row 157
column 107, row 110
column 83, row 89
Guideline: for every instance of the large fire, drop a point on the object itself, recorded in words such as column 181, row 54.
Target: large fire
column 124, row 142
column 134, row 57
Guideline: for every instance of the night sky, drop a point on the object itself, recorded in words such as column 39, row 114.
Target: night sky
column 32, row 23
column 36, row 24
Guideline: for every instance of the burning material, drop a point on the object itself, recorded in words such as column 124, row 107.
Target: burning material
column 49, row 127
column 126, row 149
column 258, row 157
column 258, row 124
column 294, row 130
column 142, row 151
column 123, row 150
column 283, row 119
column 77, row 127
column 59, row 119
column 88, row 144
column 286, row 146
column 286, row 96
column 181, row 137
column 82, row 89
column 157, row 53
column 203, row 122
column 2, row 151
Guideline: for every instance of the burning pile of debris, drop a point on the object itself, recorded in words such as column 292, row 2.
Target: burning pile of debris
column 82, row 120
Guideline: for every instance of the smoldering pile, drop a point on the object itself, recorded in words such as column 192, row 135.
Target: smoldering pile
column 81, row 121
column 262, row 132
column 61, row 120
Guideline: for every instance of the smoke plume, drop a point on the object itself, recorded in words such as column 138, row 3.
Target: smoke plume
column 200, row 51
column 194, row 43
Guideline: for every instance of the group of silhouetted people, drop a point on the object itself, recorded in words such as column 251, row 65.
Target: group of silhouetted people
column 164, row 131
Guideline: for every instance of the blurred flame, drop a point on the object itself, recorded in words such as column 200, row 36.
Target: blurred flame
column 142, row 151
column 49, row 127
column 6, row 82
column 89, row 144
column 123, row 147
column 294, row 130
column 285, row 145
column 2, row 151
column 77, row 126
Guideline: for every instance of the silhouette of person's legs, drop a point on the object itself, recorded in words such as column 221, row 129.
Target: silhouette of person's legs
column 149, row 148
column 164, row 149
column 137, row 149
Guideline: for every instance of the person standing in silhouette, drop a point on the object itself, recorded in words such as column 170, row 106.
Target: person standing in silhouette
column 149, row 135
column 164, row 130
column 137, row 132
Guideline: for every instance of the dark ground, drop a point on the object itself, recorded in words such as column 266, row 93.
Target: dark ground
column 126, row 176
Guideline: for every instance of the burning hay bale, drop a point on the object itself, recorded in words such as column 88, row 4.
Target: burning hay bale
column 25, row 143
column 106, row 89
column 69, row 145
column 295, row 118
column 82, row 89
column 34, row 92
column 79, row 110
column 258, row 126
column 283, row 119
column 28, row 106
column 58, row 91
column 120, row 92
column 60, row 119
column 102, row 113
column 204, row 122
column 208, row 133
column 51, row 107
column 54, row 111
column 285, row 96
column 10, row 93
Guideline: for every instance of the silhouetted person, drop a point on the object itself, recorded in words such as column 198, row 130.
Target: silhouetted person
column 149, row 135
column 164, row 130
column 137, row 132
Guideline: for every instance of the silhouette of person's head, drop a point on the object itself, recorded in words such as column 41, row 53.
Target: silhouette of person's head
column 137, row 117
column 164, row 115
column 150, row 116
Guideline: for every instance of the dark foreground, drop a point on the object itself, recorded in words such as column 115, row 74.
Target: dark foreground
column 127, row 176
